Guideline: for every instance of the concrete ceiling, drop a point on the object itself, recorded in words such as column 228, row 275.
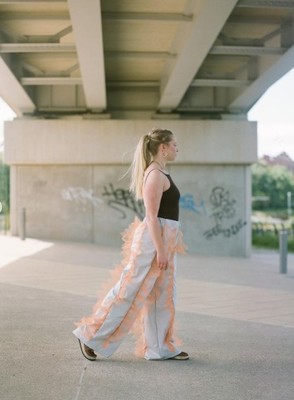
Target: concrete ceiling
column 145, row 59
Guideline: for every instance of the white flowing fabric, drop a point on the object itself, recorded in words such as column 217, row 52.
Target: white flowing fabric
column 142, row 289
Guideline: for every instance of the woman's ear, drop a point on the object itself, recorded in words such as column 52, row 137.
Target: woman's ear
column 161, row 147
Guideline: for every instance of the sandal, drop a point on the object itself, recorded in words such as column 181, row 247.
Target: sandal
column 180, row 357
column 87, row 352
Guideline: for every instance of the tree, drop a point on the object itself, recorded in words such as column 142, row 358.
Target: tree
column 4, row 186
column 272, row 181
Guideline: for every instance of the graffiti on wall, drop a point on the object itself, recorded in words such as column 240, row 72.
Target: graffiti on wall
column 222, row 204
column 223, row 210
column 118, row 199
column 122, row 200
column 188, row 203
column 80, row 196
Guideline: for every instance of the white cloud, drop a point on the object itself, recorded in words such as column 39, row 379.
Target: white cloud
column 6, row 112
column 274, row 138
column 275, row 116
column 276, row 105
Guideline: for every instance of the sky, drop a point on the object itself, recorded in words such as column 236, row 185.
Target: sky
column 5, row 114
column 274, row 113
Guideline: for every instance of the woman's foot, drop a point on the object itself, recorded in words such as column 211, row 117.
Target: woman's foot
column 180, row 357
column 87, row 352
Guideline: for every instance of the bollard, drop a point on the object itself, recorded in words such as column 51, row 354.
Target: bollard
column 22, row 224
column 283, row 251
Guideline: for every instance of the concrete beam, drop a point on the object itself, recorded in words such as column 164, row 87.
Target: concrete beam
column 33, row 15
column 220, row 82
column 2, row 2
column 206, row 25
column 31, row 142
column 251, row 94
column 12, row 92
column 266, row 3
column 37, row 48
column 39, row 81
column 146, row 16
column 247, row 50
column 140, row 54
column 87, row 29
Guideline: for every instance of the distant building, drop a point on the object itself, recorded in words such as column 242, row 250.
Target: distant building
column 282, row 159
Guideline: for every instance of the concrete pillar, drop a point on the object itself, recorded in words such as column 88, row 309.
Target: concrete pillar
column 67, row 175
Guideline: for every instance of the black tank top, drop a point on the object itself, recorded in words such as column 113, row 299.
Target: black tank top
column 169, row 203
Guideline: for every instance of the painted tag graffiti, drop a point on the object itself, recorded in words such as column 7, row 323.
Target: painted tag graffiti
column 226, row 232
column 188, row 203
column 118, row 199
column 223, row 206
column 81, row 196
column 121, row 199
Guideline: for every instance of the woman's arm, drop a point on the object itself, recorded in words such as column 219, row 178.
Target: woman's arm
column 152, row 193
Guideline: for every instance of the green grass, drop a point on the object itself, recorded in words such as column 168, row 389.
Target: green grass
column 270, row 241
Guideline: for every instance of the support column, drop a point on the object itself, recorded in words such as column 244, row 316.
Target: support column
column 67, row 175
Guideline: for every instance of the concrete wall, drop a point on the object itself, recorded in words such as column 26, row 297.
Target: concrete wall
column 67, row 175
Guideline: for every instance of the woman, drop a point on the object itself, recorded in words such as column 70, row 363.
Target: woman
column 147, row 282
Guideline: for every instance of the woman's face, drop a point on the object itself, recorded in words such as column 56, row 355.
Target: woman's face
column 171, row 149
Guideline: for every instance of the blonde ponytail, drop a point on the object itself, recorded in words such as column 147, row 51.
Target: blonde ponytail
column 146, row 148
column 141, row 160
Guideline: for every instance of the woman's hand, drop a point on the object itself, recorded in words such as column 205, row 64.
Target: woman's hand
column 162, row 260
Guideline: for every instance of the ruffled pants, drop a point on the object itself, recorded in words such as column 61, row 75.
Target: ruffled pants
column 142, row 290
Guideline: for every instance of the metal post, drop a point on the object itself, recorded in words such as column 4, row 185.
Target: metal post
column 22, row 224
column 283, row 251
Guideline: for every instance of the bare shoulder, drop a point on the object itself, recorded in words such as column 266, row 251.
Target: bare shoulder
column 153, row 186
column 153, row 174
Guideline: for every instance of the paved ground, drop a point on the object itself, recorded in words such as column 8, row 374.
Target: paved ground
column 235, row 316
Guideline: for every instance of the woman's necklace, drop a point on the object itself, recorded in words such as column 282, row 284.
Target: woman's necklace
column 156, row 162
column 161, row 167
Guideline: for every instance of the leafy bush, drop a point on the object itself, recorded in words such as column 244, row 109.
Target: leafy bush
column 4, row 186
column 273, row 182
column 270, row 241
